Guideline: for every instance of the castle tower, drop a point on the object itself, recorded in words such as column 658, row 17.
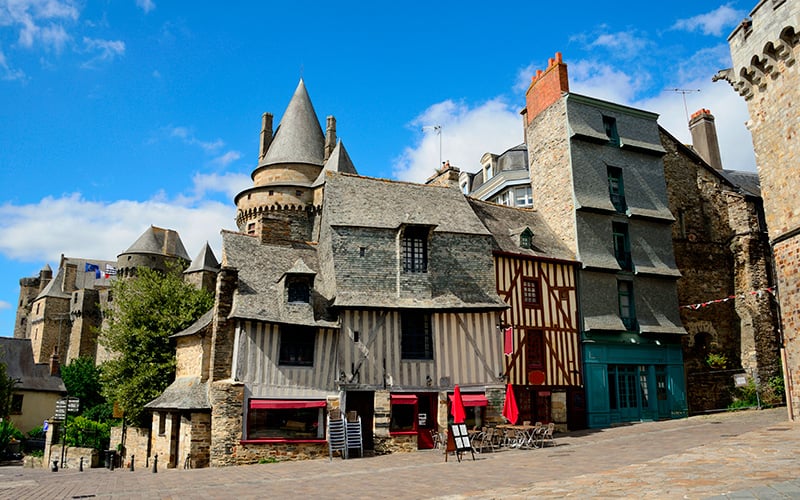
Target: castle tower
column 765, row 51
column 202, row 272
column 29, row 288
column 156, row 248
column 290, row 160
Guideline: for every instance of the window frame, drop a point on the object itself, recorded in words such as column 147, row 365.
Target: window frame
column 414, row 247
column 621, row 235
column 610, row 127
column 294, row 350
column 298, row 290
column 408, row 402
column 616, row 189
column 265, row 410
column 416, row 336
column 625, row 292
column 15, row 404
column 529, row 283
column 527, row 199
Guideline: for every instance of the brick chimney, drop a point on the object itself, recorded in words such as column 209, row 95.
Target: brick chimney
column 55, row 365
column 266, row 135
column 546, row 87
column 704, row 137
column 447, row 176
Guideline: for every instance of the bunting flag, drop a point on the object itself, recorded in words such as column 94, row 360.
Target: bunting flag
column 758, row 293
column 508, row 341
column 93, row 267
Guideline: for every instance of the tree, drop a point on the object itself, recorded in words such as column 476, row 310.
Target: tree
column 82, row 379
column 6, row 389
column 146, row 310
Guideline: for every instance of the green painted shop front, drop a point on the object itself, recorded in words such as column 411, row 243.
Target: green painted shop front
column 633, row 381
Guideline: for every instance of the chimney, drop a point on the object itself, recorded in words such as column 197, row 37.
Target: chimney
column 330, row 137
column 546, row 87
column 704, row 137
column 266, row 135
column 447, row 176
column 55, row 366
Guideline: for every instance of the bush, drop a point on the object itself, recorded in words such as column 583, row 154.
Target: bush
column 770, row 394
column 8, row 434
column 85, row 433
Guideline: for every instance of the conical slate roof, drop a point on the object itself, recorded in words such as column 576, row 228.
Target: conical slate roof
column 159, row 241
column 299, row 137
column 205, row 261
column 339, row 161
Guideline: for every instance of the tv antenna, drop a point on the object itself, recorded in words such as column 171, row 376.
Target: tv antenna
column 683, row 92
column 438, row 130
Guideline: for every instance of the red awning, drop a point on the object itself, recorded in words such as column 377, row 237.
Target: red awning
column 403, row 399
column 473, row 399
column 284, row 404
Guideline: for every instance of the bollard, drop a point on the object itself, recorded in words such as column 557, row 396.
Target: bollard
column 112, row 458
column 80, row 466
column 155, row 463
column 147, row 462
column 133, row 457
column 54, row 467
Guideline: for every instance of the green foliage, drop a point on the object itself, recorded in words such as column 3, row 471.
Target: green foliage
column 8, row 433
column 36, row 432
column 6, row 389
column 268, row 460
column 718, row 361
column 769, row 394
column 85, row 433
column 82, row 380
column 146, row 310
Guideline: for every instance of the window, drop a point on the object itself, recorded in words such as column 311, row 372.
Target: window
column 297, row 345
column 286, row 419
column 465, row 188
column 622, row 245
column 416, row 339
column 16, row 404
column 404, row 414
column 362, row 251
column 251, row 228
column 616, row 189
column 488, row 172
column 415, row 249
column 298, row 289
column 298, row 193
column 504, row 199
column 610, row 126
column 526, row 238
column 531, row 292
column 626, row 306
column 162, row 423
column 523, row 197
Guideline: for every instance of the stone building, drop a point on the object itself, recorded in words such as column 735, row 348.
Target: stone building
column 62, row 313
column 597, row 175
column 722, row 251
column 765, row 50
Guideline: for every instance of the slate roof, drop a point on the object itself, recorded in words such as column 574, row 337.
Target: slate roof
column 260, row 294
column 159, row 241
column 205, row 261
column 299, row 137
column 507, row 224
column 749, row 182
column 201, row 322
column 185, row 393
column 356, row 201
column 339, row 161
column 17, row 354
column 83, row 279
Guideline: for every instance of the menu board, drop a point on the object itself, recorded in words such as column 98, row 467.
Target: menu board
column 458, row 441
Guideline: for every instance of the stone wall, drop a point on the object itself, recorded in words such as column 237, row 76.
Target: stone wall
column 787, row 264
column 226, row 398
column 137, row 443
column 198, row 429
column 404, row 443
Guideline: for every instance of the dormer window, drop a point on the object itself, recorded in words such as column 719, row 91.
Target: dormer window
column 299, row 289
column 610, row 126
column 526, row 239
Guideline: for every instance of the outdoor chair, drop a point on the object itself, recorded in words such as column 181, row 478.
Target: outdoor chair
column 487, row 439
column 547, row 435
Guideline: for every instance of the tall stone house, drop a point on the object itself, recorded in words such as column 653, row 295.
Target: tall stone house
column 722, row 250
column 597, row 175
column 62, row 313
column 764, row 50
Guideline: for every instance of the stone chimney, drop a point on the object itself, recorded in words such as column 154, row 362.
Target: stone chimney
column 704, row 137
column 330, row 137
column 447, row 176
column 546, row 87
column 55, row 365
column 266, row 135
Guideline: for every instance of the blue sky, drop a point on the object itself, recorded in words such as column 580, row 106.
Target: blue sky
column 118, row 115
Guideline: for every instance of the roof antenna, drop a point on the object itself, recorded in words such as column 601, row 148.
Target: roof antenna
column 684, row 92
column 438, row 130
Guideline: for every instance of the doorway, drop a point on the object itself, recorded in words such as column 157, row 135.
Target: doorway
column 363, row 403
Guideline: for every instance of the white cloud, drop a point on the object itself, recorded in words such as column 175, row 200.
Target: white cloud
column 146, row 5
column 188, row 137
column 106, row 50
column 227, row 158
column 229, row 184
column 712, row 23
column 76, row 227
column 4, row 305
column 467, row 133
column 29, row 16
column 9, row 73
column 604, row 81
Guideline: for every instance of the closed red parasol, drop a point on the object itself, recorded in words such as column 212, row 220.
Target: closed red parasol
column 510, row 410
column 459, row 415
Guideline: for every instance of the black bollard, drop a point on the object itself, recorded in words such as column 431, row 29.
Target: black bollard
column 133, row 457
column 147, row 462
column 54, row 467
column 80, row 466
column 112, row 457
column 155, row 463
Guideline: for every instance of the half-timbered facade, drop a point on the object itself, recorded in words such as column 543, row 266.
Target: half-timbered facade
column 536, row 276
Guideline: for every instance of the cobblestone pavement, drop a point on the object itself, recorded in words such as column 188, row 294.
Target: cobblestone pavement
column 749, row 454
